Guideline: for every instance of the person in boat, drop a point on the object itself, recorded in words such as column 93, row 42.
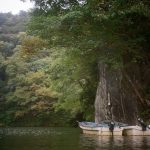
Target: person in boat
column 111, row 126
column 143, row 125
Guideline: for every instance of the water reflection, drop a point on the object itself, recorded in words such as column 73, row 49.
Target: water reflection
column 66, row 139
column 115, row 143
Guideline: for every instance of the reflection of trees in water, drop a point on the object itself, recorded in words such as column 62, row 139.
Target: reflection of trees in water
column 110, row 142
column 90, row 142
column 141, row 142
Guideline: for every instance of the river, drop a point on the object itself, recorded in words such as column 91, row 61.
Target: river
column 66, row 139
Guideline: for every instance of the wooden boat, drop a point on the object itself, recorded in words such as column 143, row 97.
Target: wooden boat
column 142, row 130
column 89, row 127
column 105, row 128
column 119, row 129
column 136, row 131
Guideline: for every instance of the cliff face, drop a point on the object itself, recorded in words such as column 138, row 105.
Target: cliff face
column 115, row 98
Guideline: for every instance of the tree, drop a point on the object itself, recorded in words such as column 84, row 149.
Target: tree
column 113, row 32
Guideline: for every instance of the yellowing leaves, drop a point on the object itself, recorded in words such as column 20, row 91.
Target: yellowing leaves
column 37, row 77
column 31, row 45
column 20, row 114
column 23, row 93
column 41, row 106
column 43, row 91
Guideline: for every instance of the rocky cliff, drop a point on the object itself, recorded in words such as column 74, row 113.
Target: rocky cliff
column 117, row 97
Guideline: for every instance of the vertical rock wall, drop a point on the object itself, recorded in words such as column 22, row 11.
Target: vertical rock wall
column 115, row 98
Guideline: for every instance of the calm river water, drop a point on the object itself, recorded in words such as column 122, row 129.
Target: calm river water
column 65, row 139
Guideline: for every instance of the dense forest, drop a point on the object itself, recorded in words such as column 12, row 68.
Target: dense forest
column 75, row 60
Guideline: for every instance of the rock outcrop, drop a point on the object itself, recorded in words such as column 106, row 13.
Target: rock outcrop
column 115, row 98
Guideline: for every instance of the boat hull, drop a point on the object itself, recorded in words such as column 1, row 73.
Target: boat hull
column 135, row 131
column 106, row 132
column 117, row 131
column 102, row 131
column 90, row 130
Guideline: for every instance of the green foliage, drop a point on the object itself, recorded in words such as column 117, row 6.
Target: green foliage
column 10, row 26
column 115, row 32
column 53, row 70
column 32, row 85
column 29, row 86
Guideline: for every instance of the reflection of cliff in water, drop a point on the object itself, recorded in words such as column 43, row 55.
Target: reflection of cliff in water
column 115, row 143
